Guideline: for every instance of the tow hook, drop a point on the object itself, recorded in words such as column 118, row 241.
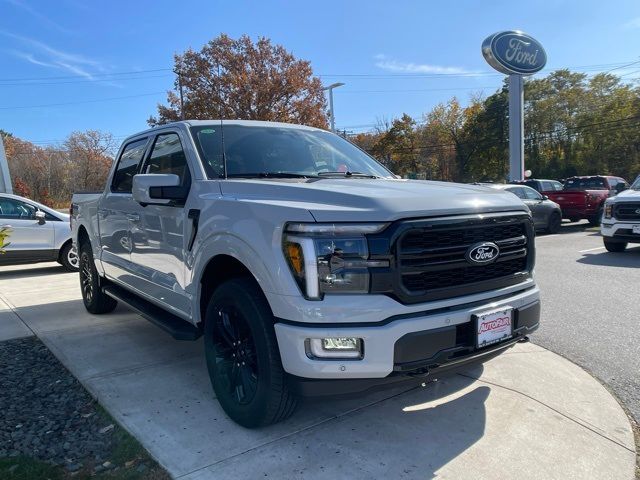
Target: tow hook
column 422, row 373
column 524, row 339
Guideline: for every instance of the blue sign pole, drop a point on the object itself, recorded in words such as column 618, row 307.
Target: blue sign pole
column 516, row 127
column 5, row 177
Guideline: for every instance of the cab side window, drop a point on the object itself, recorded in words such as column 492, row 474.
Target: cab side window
column 128, row 166
column 168, row 156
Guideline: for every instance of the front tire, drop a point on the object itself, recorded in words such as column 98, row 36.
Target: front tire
column 596, row 219
column 555, row 221
column 94, row 299
column 243, row 357
column 613, row 246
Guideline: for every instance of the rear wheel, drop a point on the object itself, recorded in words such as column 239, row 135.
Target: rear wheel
column 613, row 246
column 555, row 221
column 243, row 357
column 94, row 299
column 69, row 257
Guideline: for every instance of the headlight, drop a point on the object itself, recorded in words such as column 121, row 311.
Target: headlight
column 608, row 210
column 330, row 258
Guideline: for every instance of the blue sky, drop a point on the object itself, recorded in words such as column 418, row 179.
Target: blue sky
column 391, row 54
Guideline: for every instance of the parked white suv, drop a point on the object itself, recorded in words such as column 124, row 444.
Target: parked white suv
column 37, row 233
column 307, row 266
column 621, row 219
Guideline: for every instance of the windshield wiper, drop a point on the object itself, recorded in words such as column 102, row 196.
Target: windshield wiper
column 347, row 174
column 270, row 175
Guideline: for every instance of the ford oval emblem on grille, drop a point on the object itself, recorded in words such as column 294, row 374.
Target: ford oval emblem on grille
column 638, row 211
column 482, row 253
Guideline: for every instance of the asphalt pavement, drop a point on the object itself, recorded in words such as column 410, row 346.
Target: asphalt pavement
column 591, row 307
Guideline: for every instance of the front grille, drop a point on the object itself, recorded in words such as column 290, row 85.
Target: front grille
column 431, row 255
column 627, row 211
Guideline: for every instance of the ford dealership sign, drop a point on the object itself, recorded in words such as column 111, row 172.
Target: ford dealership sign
column 514, row 52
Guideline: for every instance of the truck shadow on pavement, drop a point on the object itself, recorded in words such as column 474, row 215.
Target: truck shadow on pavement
column 22, row 272
column 630, row 258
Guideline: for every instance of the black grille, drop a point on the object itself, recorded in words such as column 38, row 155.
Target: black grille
column 627, row 211
column 431, row 255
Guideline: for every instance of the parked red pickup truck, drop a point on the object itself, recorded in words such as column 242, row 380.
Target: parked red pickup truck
column 583, row 197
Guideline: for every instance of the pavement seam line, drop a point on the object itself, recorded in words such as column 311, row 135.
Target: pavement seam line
column 12, row 307
column 126, row 370
column 552, row 409
column 301, row 430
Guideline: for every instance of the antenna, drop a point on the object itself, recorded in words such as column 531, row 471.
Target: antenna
column 224, row 157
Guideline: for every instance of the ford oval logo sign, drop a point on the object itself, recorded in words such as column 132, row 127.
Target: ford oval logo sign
column 514, row 52
column 482, row 253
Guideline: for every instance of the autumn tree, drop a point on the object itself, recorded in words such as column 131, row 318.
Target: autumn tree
column 241, row 79
column 90, row 153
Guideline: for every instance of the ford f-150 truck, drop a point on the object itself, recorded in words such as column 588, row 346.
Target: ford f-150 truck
column 621, row 220
column 584, row 197
column 308, row 267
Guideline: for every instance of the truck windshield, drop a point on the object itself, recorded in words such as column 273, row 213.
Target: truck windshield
column 272, row 152
column 636, row 184
column 585, row 184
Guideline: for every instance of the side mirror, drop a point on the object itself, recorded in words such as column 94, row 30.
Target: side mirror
column 40, row 217
column 620, row 187
column 160, row 189
column 544, row 197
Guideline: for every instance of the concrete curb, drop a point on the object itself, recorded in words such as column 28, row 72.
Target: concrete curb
column 527, row 414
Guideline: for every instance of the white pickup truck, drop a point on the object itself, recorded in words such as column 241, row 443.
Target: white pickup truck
column 621, row 219
column 308, row 267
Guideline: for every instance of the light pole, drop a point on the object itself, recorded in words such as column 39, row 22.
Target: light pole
column 332, row 117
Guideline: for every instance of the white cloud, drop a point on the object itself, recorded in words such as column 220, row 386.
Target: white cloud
column 46, row 56
column 633, row 23
column 391, row 65
column 39, row 16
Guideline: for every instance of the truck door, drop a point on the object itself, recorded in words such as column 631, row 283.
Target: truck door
column 157, row 231
column 114, row 213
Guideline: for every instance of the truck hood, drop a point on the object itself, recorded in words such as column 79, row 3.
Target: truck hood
column 357, row 199
column 628, row 196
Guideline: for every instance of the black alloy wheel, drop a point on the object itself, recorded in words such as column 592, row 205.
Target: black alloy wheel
column 235, row 355
column 243, row 358
column 94, row 299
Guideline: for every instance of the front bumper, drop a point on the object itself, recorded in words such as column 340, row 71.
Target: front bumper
column 622, row 231
column 405, row 345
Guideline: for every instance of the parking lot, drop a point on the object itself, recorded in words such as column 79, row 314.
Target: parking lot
column 570, row 426
column 590, row 307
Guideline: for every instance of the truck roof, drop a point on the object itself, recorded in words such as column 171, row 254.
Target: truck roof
column 216, row 122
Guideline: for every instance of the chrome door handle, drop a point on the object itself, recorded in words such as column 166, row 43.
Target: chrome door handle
column 134, row 217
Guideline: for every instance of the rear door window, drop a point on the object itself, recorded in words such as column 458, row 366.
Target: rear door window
column 127, row 167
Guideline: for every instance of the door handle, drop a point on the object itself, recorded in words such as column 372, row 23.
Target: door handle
column 6, row 226
column 134, row 217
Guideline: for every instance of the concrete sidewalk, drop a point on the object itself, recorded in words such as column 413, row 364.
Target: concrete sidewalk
column 528, row 414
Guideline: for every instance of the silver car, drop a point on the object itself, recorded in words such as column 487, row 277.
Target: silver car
column 36, row 233
column 547, row 215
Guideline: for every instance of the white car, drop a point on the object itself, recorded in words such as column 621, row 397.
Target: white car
column 37, row 233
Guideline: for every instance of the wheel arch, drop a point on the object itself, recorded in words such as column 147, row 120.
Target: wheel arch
column 219, row 269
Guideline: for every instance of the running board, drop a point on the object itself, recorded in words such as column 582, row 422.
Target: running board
column 172, row 324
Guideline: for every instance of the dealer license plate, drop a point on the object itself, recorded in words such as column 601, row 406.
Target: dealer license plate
column 493, row 327
column 636, row 229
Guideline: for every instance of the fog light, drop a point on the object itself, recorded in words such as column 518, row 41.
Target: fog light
column 334, row 347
